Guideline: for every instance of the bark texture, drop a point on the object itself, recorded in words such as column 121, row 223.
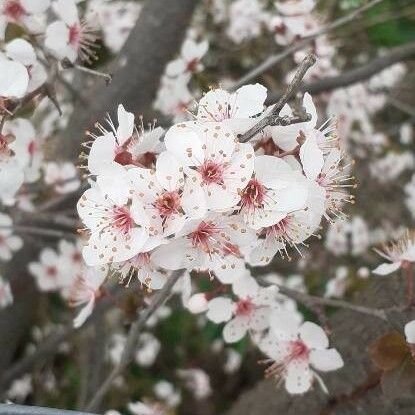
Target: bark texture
column 355, row 389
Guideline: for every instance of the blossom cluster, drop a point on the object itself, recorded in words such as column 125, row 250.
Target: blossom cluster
column 202, row 200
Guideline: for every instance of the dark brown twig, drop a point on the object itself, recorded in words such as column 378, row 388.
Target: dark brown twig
column 274, row 118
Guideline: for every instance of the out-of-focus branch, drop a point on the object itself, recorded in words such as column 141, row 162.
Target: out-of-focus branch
column 11, row 409
column 312, row 300
column 133, row 336
column 274, row 59
column 50, row 346
column 360, row 74
column 273, row 118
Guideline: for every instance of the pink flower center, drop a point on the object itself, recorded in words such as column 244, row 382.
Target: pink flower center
column 298, row 351
column 14, row 10
column 244, row 307
column 4, row 145
column 51, row 272
column 203, row 236
column 279, row 229
column 122, row 219
column 231, row 249
column 322, row 180
column 192, row 65
column 147, row 159
column 124, row 158
column 168, row 204
column 77, row 257
column 75, row 34
column 32, row 147
column 211, row 172
column 253, row 195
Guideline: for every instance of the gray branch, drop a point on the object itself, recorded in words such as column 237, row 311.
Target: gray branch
column 133, row 336
column 11, row 409
column 356, row 75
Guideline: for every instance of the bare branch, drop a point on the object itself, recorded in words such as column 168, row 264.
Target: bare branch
column 312, row 300
column 133, row 336
column 12, row 409
column 273, row 118
column 49, row 346
column 274, row 59
column 360, row 74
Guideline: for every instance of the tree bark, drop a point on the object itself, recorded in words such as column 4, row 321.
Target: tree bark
column 355, row 389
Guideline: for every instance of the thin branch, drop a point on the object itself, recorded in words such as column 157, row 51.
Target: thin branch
column 33, row 230
column 133, row 336
column 273, row 118
column 312, row 300
column 274, row 59
column 12, row 409
column 356, row 75
column 49, row 346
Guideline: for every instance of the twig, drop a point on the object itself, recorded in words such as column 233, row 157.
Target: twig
column 12, row 409
column 33, row 230
column 274, row 59
column 356, row 75
column 312, row 300
column 133, row 336
column 50, row 345
column 273, row 118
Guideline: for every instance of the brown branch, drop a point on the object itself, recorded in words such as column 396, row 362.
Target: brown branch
column 312, row 300
column 356, row 75
column 133, row 336
column 12, row 409
column 273, row 118
column 274, row 59
column 50, row 345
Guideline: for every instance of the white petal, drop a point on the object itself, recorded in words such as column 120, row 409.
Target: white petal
column 22, row 51
column 410, row 331
column 125, row 125
column 172, row 255
column 260, row 319
column 176, row 67
column 219, row 310
column 169, row 171
column 184, row 142
column 268, row 169
column 386, row 269
column 284, row 324
column 326, row 360
column 84, row 313
column 194, row 201
column 67, row 11
column 35, row 6
column 299, row 377
column 313, row 336
column 235, row 329
column 57, row 35
column 311, row 157
column 114, row 183
column 14, row 79
column 215, row 106
column 245, row 286
column 250, row 100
